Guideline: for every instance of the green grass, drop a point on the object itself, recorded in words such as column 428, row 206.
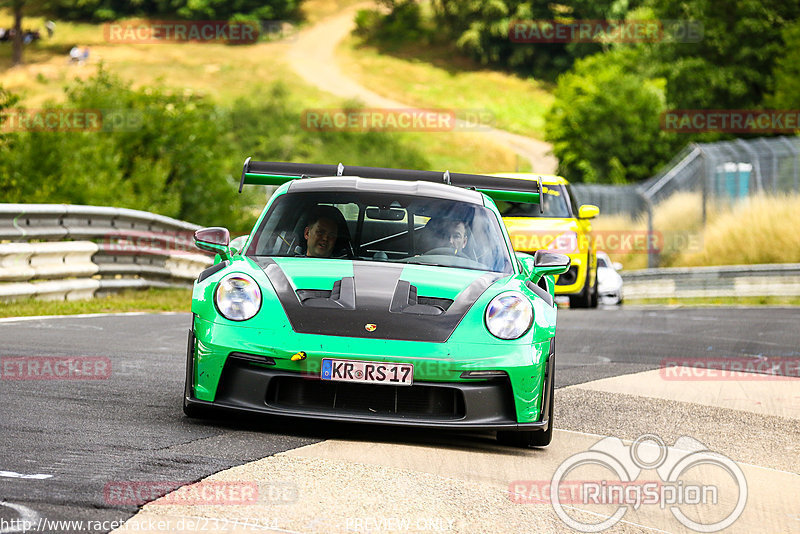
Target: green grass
column 437, row 76
column 145, row 300
column 718, row 301
column 219, row 72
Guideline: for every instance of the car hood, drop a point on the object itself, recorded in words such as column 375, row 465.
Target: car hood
column 374, row 299
column 535, row 233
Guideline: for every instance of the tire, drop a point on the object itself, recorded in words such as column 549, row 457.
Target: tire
column 526, row 439
column 595, row 297
column 582, row 299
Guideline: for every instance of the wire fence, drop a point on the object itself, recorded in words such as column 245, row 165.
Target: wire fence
column 721, row 173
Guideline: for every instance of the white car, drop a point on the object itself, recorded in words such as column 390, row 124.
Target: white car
column 608, row 279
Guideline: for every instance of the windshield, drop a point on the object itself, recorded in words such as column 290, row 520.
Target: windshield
column 383, row 227
column 555, row 202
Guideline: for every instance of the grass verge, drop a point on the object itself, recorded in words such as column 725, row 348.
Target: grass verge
column 718, row 301
column 133, row 300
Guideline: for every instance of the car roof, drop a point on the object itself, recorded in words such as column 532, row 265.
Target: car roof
column 376, row 185
column 547, row 179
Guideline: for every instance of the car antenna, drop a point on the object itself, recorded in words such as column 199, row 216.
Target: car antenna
column 340, row 169
column 446, row 177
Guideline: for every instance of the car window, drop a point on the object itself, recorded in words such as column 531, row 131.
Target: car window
column 601, row 262
column 388, row 228
column 555, row 203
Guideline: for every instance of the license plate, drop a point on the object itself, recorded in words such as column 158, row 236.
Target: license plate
column 396, row 374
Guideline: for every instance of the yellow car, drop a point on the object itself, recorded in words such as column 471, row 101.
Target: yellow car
column 563, row 227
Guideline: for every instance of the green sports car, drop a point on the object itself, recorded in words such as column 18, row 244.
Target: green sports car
column 382, row 296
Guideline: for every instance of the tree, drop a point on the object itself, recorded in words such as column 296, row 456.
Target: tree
column 481, row 28
column 19, row 10
column 604, row 122
column 731, row 66
column 786, row 77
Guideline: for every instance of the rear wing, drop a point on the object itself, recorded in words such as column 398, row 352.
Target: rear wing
column 496, row 187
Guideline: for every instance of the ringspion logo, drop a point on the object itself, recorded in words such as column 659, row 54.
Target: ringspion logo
column 703, row 490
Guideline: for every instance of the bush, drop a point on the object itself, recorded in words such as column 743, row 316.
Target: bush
column 604, row 123
column 403, row 24
column 174, row 154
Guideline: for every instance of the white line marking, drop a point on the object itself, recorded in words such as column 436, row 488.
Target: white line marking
column 26, row 516
column 12, row 474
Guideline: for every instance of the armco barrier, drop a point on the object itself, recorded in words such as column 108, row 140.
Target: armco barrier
column 60, row 251
column 782, row 279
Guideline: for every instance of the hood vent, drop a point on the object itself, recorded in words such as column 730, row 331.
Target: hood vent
column 406, row 300
column 342, row 296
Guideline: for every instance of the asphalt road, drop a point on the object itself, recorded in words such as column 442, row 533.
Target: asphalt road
column 80, row 436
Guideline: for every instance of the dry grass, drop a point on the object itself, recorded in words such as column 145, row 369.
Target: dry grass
column 316, row 10
column 760, row 229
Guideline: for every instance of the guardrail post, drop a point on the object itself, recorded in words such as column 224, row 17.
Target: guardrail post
column 652, row 254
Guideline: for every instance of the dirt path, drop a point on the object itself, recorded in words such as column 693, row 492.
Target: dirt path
column 312, row 57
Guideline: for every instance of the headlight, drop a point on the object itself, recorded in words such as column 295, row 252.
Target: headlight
column 238, row 297
column 509, row 316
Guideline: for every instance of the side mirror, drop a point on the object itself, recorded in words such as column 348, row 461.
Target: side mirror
column 237, row 245
column 617, row 266
column 545, row 262
column 542, row 263
column 588, row 211
column 214, row 239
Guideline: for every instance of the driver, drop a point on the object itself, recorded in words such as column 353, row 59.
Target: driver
column 450, row 233
column 456, row 235
column 321, row 233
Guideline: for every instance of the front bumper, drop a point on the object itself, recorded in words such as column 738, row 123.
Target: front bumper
column 259, row 384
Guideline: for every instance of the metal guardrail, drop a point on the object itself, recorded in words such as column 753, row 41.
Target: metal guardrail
column 60, row 251
column 727, row 281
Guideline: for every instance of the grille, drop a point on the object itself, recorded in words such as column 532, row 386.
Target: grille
column 366, row 399
column 568, row 278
